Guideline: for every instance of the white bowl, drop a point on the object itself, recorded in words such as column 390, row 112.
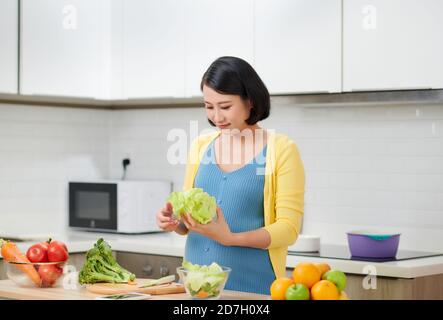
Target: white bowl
column 306, row 243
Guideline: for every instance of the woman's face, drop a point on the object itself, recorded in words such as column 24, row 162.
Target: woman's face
column 226, row 111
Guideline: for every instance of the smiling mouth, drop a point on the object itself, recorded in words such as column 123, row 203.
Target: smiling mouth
column 223, row 125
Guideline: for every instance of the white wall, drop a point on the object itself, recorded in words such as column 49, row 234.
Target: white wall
column 370, row 167
column 41, row 148
column 378, row 166
column 142, row 136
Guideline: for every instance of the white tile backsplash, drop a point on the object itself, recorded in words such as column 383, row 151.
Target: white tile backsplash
column 41, row 149
column 371, row 166
column 142, row 135
column 366, row 166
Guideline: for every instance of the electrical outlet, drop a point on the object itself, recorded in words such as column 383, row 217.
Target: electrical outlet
column 126, row 162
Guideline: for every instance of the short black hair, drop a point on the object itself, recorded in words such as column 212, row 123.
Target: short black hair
column 232, row 75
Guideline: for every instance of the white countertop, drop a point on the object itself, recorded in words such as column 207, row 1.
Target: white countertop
column 411, row 268
column 160, row 243
column 171, row 244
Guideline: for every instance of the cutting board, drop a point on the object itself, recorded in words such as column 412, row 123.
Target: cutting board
column 116, row 288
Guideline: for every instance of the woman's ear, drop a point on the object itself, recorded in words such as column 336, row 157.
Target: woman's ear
column 249, row 107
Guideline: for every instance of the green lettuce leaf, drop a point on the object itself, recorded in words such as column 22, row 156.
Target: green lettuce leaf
column 200, row 205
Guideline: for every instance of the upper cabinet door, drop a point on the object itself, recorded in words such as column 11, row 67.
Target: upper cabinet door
column 215, row 28
column 153, row 48
column 63, row 47
column 8, row 46
column 392, row 44
column 298, row 45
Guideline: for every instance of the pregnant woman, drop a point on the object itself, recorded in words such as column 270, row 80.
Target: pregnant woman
column 256, row 176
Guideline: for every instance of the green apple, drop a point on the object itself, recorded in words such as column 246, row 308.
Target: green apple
column 297, row 292
column 337, row 277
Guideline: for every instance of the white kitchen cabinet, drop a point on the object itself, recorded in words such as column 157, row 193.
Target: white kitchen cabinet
column 391, row 45
column 8, row 46
column 297, row 45
column 214, row 29
column 153, row 48
column 64, row 48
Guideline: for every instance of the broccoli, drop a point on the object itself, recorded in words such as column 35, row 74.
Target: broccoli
column 101, row 266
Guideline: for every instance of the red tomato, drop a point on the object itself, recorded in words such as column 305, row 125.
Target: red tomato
column 49, row 274
column 37, row 253
column 57, row 251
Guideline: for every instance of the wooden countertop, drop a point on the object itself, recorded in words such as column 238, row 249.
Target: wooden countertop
column 10, row 290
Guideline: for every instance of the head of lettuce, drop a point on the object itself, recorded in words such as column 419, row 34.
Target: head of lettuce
column 200, row 205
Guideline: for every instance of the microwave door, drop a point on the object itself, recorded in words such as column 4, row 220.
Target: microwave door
column 93, row 206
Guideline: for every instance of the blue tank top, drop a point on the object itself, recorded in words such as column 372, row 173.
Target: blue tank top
column 240, row 196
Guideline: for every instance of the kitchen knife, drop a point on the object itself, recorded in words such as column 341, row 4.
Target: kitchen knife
column 155, row 282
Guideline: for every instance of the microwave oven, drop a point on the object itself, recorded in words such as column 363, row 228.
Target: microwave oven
column 116, row 206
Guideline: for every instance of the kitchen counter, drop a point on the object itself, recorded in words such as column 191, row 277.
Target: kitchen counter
column 155, row 243
column 171, row 244
column 10, row 290
column 412, row 268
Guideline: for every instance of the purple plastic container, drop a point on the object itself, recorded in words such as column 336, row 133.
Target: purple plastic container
column 373, row 245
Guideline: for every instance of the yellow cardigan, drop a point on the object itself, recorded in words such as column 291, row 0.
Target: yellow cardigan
column 283, row 191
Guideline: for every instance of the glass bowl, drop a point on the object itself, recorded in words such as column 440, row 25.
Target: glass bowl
column 203, row 286
column 36, row 274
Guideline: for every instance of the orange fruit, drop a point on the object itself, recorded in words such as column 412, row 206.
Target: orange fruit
column 323, row 267
column 324, row 290
column 306, row 273
column 278, row 288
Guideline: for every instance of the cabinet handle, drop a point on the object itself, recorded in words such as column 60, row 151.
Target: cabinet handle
column 147, row 270
column 164, row 271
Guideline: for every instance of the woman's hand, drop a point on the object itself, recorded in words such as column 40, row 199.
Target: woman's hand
column 217, row 229
column 165, row 220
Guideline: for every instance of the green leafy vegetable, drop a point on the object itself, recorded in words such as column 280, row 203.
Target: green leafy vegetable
column 204, row 281
column 200, row 205
column 101, row 266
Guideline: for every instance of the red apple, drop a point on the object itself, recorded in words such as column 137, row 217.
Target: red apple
column 37, row 253
column 57, row 251
column 49, row 274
